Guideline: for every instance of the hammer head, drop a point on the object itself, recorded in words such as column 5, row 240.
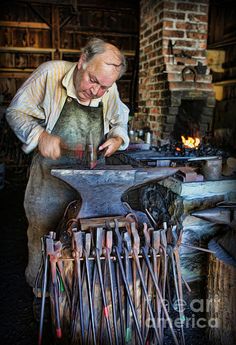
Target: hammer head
column 86, row 155
column 79, row 151
column 218, row 215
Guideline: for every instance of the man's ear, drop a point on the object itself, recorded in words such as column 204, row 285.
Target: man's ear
column 81, row 61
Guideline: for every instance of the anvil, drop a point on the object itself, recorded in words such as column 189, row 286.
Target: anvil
column 101, row 189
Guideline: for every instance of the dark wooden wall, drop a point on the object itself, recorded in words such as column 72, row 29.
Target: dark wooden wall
column 32, row 32
column 222, row 59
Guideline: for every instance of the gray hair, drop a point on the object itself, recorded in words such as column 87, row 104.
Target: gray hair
column 98, row 46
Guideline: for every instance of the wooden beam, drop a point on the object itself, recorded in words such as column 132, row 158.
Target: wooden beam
column 29, row 25
column 219, row 88
column 87, row 32
column 225, row 82
column 26, row 50
column 8, row 69
column 55, row 27
column 105, row 5
column 50, row 50
column 226, row 42
column 78, row 51
column 14, row 73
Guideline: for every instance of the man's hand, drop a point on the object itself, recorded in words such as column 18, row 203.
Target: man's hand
column 111, row 146
column 49, row 145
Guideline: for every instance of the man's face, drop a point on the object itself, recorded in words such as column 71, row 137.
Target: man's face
column 93, row 79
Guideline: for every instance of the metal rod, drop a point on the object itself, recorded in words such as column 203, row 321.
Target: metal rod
column 120, row 304
column 160, row 296
column 112, row 298
column 106, row 314
column 86, row 254
column 80, row 309
column 43, row 299
column 129, row 296
column 108, row 251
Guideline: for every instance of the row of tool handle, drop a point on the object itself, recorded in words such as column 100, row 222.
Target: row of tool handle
column 128, row 246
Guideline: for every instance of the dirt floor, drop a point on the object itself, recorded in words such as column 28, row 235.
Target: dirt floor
column 17, row 323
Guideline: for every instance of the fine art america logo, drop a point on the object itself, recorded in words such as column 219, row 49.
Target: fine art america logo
column 193, row 310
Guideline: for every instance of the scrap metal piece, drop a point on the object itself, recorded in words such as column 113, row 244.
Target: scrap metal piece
column 218, row 215
column 230, row 204
column 188, row 174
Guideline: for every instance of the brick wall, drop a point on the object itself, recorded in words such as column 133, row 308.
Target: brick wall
column 172, row 65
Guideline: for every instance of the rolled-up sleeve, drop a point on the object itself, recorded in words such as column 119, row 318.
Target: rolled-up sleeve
column 25, row 115
column 117, row 114
column 38, row 102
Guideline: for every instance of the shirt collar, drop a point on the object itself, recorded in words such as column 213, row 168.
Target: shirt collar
column 68, row 83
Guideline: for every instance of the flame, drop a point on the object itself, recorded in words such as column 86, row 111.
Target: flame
column 190, row 142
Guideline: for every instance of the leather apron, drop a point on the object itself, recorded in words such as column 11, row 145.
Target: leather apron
column 46, row 196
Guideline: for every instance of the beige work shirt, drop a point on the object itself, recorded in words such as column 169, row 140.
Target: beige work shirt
column 38, row 103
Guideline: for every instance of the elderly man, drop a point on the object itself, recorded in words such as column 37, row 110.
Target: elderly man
column 61, row 105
